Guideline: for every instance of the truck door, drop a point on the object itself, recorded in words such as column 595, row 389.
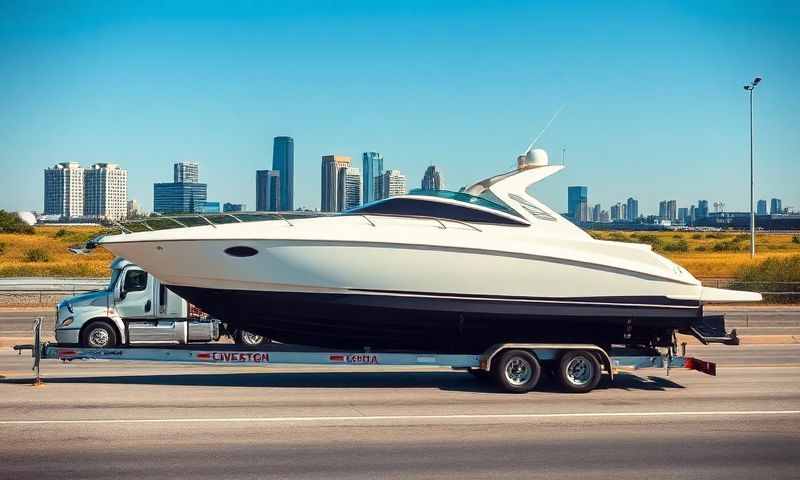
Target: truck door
column 134, row 295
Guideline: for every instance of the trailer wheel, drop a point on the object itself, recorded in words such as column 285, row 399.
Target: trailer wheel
column 98, row 334
column 517, row 371
column 243, row 337
column 579, row 371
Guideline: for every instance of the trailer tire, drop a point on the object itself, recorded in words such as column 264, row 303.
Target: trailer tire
column 242, row 337
column 99, row 334
column 517, row 371
column 579, row 371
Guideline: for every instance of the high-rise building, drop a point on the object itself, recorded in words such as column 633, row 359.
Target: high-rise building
column 577, row 203
column 432, row 180
column 178, row 197
column 372, row 163
column 186, row 172
column 105, row 191
column 616, row 215
column 692, row 213
column 662, row 209
column 702, row 209
column 683, row 215
column 63, row 190
column 672, row 210
column 761, row 209
column 332, row 165
column 349, row 188
column 234, row 207
column 596, row 213
column 623, row 211
column 268, row 191
column 134, row 209
column 391, row 184
column 283, row 162
column 632, row 211
column 183, row 196
column 775, row 206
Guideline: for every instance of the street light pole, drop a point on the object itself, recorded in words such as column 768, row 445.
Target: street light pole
column 750, row 87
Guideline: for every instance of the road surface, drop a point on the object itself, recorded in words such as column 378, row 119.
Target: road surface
column 137, row 420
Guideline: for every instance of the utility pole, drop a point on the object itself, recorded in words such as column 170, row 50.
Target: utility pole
column 750, row 87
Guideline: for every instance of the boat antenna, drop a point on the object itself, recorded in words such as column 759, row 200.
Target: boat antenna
column 533, row 143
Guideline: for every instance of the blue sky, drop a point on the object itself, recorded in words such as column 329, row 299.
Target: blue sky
column 652, row 93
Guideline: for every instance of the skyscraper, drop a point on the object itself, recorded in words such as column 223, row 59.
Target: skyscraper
column 183, row 196
column 632, row 210
column 349, row 188
column 762, row 207
column 105, row 190
column 63, row 190
column 372, row 163
column 662, row 210
column 332, row 165
column 672, row 210
column 186, row 172
column 702, row 209
column 283, row 162
column 432, row 180
column 391, row 184
column 268, row 190
column 623, row 211
column 615, row 212
column 775, row 206
column 683, row 215
column 577, row 203
column 596, row 213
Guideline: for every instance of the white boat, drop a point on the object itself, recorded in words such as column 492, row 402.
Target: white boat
column 431, row 270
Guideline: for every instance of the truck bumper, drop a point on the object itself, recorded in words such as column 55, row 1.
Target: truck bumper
column 68, row 336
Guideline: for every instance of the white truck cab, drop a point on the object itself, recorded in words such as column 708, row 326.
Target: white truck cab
column 136, row 308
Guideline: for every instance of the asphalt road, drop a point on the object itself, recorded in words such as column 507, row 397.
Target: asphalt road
column 136, row 420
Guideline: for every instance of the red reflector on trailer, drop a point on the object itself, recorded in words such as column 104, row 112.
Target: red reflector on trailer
column 709, row 368
column 204, row 356
column 336, row 358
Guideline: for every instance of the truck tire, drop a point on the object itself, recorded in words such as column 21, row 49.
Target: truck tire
column 98, row 334
column 517, row 371
column 579, row 371
column 242, row 337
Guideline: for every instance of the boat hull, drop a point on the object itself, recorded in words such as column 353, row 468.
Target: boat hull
column 444, row 323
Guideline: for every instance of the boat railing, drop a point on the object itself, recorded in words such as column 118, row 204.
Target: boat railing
column 164, row 222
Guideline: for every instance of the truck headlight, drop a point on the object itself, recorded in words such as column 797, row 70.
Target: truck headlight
column 67, row 322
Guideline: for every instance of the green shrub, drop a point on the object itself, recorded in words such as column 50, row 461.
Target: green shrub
column 716, row 236
column 618, row 237
column 728, row 246
column 677, row 236
column 741, row 237
column 796, row 239
column 772, row 275
column 677, row 246
column 2, row 248
column 696, row 236
column 11, row 223
column 36, row 255
column 700, row 248
column 61, row 233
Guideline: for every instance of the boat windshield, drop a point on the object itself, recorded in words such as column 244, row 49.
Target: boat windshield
column 466, row 198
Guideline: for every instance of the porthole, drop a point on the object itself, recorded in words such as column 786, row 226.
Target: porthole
column 241, row 251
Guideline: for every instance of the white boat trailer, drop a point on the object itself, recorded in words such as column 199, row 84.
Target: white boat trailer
column 515, row 366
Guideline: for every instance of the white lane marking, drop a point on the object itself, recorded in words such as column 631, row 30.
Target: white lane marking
column 499, row 416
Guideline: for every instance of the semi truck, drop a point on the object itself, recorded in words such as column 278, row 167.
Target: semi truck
column 136, row 309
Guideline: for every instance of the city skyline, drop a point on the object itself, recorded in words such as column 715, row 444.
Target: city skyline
column 148, row 86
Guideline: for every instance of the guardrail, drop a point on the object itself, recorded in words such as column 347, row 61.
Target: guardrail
column 41, row 289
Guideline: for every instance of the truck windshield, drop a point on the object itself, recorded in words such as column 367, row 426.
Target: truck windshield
column 114, row 277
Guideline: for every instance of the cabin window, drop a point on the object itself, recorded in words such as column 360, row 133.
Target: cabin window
column 414, row 207
column 135, row 281
column 241, row 251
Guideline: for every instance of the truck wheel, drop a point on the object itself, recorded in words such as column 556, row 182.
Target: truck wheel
column 517, row 371
column 98, row 334
column 242, row 337
column 579, row 371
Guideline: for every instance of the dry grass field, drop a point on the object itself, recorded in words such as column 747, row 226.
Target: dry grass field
column 45, row 254
column 705, row 255
column 711, row 254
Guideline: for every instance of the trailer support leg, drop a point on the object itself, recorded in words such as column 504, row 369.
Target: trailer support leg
column 37, row 352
